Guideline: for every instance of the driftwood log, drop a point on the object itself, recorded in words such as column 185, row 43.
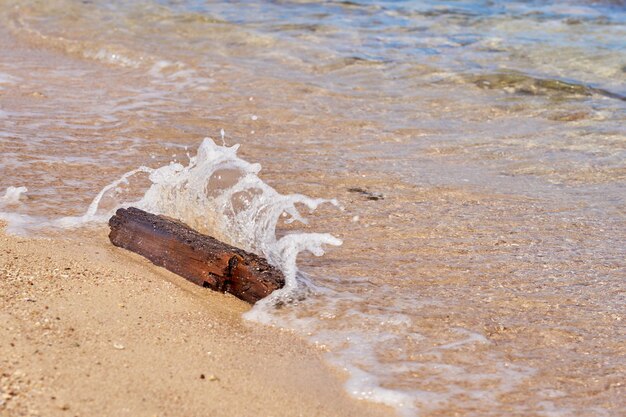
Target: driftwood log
column 201, row 259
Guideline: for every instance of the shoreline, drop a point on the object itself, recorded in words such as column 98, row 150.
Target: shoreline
column 87, row 326
column 481, row 205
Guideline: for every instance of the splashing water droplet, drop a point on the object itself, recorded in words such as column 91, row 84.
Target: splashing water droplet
column 216, row 193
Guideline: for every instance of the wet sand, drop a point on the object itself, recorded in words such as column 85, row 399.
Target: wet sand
column 90, row 330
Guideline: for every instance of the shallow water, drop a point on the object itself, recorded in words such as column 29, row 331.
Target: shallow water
column 477, row 152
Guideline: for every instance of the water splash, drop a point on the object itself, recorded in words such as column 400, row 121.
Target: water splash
column 217, row 193
column 220, row 194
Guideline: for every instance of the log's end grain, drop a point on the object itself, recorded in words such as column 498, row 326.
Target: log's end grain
column 199, row 258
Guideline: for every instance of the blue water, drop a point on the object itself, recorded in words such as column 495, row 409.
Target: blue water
column 579, row 42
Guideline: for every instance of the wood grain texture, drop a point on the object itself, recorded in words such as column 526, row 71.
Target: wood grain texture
column 199, row 258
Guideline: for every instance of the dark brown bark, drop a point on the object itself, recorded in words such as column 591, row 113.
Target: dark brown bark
column 201, row 259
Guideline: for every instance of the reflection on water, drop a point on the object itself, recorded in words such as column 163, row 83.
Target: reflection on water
column 486, row 278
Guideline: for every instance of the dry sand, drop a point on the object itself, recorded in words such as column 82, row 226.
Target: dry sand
column 87, row 329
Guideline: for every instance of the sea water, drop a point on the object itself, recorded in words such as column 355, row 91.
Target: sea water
column 461, row 162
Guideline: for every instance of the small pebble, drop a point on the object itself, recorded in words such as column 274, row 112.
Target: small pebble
column 118, row 346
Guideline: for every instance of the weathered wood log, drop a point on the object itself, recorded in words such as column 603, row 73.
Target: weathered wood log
column 199, row 258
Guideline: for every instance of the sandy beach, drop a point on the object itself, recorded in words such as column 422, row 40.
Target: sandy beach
column 460, row 165
column 88, row 329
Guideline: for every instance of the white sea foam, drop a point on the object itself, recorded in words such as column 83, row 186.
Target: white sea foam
column 217, row 193
column 9, row 201
column 221, row 194
column 12, row 196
